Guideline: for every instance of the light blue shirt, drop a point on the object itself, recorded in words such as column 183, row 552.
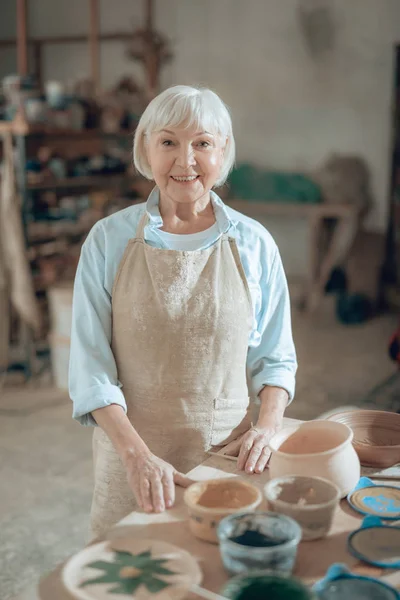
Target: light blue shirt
column 93, row 376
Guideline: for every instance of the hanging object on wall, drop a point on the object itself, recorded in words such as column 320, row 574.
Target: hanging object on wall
column 345, row 179
column 318, row 26
column 152, row 49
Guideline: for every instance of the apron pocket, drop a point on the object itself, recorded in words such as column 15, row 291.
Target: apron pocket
column 231, row 419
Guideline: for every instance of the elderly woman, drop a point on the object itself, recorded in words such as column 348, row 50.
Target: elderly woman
column 181, row 313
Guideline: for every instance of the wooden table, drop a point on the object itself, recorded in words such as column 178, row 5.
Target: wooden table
column 314, row 557
column 322, row 257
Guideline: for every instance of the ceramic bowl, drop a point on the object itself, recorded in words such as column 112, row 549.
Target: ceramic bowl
column 376, row 435
column 259, row 540
column 210, row 501
column 316, row 449
column 376, row 543
column 311, row 501
column 339, row 582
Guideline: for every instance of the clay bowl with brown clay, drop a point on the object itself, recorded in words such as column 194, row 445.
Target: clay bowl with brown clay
column 208, row 502
column 376, row 435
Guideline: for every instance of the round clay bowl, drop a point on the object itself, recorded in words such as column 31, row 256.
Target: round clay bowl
column 316, row 449
column 376, row 435
column 208, row 502
column 311, row 501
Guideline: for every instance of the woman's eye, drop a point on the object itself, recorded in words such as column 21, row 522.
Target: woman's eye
column 167, row 142
column 204, row 144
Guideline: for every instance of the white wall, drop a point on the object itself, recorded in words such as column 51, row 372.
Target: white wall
column 290, row 109
column 8, row 56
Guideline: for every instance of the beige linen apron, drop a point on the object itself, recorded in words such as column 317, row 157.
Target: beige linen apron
column 181, row 323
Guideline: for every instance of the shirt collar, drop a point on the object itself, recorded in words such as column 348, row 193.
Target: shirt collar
column 155, row 219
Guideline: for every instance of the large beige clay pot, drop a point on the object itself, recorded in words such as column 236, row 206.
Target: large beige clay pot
column 316, row 449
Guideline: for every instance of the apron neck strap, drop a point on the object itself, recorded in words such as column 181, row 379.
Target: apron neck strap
column 142, row 224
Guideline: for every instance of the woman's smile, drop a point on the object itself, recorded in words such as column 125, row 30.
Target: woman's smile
column 185, row 180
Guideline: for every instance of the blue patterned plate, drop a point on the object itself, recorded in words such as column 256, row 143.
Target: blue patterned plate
column 379, row 500
column 376, row 543
column 340, row 584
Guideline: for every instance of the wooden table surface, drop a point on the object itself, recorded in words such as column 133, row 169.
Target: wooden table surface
column 314, row 557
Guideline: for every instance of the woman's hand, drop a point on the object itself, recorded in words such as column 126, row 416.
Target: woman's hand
column 153, row 480
column 252, row 448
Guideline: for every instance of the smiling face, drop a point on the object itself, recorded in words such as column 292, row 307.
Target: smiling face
column 185, row 162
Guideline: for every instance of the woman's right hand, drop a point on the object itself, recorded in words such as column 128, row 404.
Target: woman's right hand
column 153, row 480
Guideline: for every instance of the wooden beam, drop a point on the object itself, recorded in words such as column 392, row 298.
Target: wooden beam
column 94, row 44
column 71, row 39
column 22, row 44
column 151, row 59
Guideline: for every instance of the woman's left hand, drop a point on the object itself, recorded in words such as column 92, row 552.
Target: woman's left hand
column 254, row 449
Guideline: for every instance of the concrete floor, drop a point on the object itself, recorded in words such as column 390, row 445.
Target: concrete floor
column 45, row 458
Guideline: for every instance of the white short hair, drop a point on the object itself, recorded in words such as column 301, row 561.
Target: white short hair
column 186, row 106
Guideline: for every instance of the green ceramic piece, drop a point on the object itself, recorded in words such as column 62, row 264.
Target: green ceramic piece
column 266, row 586
column 146, row 571
column 248, row 182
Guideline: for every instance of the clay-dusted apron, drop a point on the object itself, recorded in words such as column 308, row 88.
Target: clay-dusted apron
column 180, row 330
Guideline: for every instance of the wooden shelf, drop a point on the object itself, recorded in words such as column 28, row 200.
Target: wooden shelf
column 117, row 36
column 74, row 133
column 21, row 127
column 95, row 181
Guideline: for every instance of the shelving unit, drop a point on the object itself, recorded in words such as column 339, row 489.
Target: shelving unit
column 72, row 186
column 147, row 46
column 390, row 288
column 99, row 181
column 47, row 238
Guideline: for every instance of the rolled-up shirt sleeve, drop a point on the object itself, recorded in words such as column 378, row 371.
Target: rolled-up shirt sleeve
column 93, row 380
column 272, row 361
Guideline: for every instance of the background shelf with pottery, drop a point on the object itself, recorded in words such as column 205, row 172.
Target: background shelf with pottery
column 66, row 183
column 63, row 128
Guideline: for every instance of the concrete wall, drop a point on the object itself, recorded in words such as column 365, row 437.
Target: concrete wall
column 291, row 106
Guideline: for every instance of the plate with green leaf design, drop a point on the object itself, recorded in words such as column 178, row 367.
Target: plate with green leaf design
column 131, row 569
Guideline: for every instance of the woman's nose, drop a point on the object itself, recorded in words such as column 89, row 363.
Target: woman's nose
column 186, row 157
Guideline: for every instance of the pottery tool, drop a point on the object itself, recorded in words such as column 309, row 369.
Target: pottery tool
column 220, row 455
column 391, row 473
column 206, row 594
